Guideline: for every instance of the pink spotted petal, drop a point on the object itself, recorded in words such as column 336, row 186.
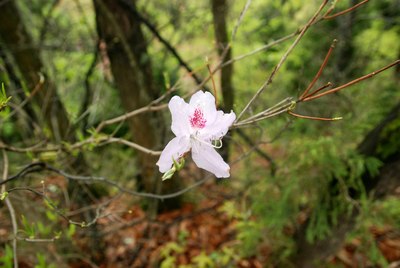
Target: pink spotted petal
column 205, row 101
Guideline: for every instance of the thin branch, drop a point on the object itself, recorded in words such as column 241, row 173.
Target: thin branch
column 278, row 108
column 107, row 140
column 313, row 117
column 40, row 166
column 46, row 22
column 282, row 60
column 21, row 105
column 168, row 46
column 119, row 34
column 123, row 226
column 326, row 17
column 34, row 148
column 262, row 48
column 124, row 117
column 88, row 92
column 239, row 20
column 48, row 200
column 222, row 64
column 321, row 68
column 213, row 84
column 355, row 81
column 260, row 152
column 329, row 84
column 191, row 72
column 59, row 212
column 10, row 209
column 97, row 141
column 273, row 113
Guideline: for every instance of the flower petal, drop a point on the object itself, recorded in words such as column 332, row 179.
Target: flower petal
column 220, row 126
column 207, row 158
column 174, row 149
column 206, row 101
column 180, row 116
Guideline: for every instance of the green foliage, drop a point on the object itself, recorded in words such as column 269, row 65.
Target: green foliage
column 42, row 262
column 28, row 228
column 176, row 167
column 168, row 254
column 7, row 126
column 391, row 136
column 3, row 98
column 6, row 260
column 203, row 261
column 250, row 234
column 3, row 196
column 71, row 231
column 314, row 159
column 372, row 165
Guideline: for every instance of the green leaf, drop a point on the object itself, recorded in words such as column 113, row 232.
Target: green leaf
column 3, row 196
column 6, row 260
column 168, row 175
column 71, row 230
column 179, row 165
column 3, row 98
column 373, row 164
column 203, row 260
column 29, row 228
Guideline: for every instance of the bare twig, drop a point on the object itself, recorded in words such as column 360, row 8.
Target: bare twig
column 262, row 48
column 320, row 70
column 45, row 25
column 355, row 81
column 167, row 45
column 123, row 117
column 34, row 148
column 40, row 166
column 313, row 117
column 278, row 108
column 213, row 84
column 260, row 152
column 88, row 92
column 329, row 84
column 201, row 82
column 239, row 20
column 10, row 209
column 97, row 141
column 328, row 17
column 37, row 88
column 58, row 211
column 282, row 60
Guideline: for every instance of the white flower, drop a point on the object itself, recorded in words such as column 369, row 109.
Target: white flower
column 196, row 125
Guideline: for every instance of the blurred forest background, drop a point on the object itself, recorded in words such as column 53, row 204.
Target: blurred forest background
column 90, row 80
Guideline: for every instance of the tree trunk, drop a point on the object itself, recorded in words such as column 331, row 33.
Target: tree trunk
column 31, row 71
column 131, row 68
column 29, row 119
column 219, row 10
column 17, row 40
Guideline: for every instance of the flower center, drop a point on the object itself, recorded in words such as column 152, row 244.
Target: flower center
column 197, row 120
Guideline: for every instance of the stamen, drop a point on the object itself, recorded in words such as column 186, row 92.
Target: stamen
column 197, row 120
column 218, row 146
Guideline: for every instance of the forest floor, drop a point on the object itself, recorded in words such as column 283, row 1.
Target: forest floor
column 183, row 236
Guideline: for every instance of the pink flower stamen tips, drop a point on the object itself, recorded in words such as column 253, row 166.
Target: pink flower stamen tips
column 197, row 120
